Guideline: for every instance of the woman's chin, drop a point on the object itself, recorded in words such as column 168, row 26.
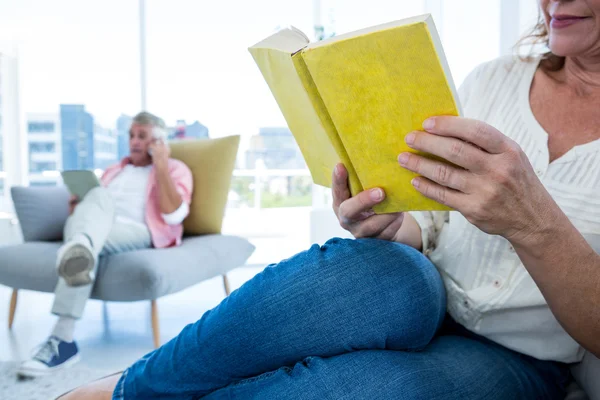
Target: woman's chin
column 567, row 47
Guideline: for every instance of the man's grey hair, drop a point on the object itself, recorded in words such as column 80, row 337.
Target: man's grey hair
column 159, row 129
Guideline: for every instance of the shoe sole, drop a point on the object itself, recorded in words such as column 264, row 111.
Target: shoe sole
column 25, row 373
column 76, row 266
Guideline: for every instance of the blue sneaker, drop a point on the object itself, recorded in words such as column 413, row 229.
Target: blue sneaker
column 53, row 355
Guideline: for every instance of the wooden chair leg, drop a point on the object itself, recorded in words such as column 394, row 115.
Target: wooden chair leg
column 12, row 308
column 155, row 325
column 226, row 284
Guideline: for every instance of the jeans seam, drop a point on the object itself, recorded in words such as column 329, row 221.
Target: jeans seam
column 119, row 392
column 261, row 377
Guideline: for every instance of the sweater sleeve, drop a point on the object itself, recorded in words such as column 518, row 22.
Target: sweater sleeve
column 431, row 224
column 184, row 184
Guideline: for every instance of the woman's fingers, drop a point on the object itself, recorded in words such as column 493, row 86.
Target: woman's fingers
column 360, row 206
column 479, row 133
column 437, row 171
column 439, row 193
column 356, row 213
column 357, row 208
column 340, row 189
column 454, row 150
column 378, row 226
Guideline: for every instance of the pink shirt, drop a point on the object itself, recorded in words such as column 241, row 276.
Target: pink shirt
column 163, row 234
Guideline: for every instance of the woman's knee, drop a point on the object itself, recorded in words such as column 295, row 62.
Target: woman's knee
column 394, row 263
column 391, row 273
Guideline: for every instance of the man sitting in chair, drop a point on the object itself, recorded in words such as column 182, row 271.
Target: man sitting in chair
column 141, row 203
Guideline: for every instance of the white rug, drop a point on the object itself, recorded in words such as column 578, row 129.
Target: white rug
column 45, row 388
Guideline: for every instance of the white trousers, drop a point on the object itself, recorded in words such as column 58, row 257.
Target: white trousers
column 95, row 217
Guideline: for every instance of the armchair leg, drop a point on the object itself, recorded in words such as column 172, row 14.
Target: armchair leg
column 12, row 308
column 226, row 284
column 155, row 325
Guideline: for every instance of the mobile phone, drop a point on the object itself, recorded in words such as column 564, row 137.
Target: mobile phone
column 158, row 134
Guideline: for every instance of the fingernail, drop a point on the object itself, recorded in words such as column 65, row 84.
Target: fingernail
column 403, row 158
column 337, row 170
column 376, row 194
column 415, row 182
column 410, row 138
column 429, row 124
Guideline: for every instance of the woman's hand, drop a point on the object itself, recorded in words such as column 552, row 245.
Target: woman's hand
column 356, row 214
column 491, row 182
column 73, row 201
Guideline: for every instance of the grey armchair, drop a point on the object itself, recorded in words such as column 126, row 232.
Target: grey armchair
column 138, row 275
column 131, row 276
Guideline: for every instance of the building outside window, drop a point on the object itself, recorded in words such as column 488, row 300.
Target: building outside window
column 42, row 166
column 44, row 145
column 42, row 148
column 40, row 127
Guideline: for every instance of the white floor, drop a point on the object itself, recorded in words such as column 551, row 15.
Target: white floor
column 111, row 335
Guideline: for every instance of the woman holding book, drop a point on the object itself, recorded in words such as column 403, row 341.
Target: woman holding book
column 509, row 291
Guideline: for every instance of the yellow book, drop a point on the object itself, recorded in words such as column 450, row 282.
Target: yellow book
column 353, row 98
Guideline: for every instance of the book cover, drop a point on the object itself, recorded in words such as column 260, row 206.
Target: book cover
column 354, row 98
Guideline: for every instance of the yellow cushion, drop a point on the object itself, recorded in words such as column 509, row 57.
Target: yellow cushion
column 212, row 162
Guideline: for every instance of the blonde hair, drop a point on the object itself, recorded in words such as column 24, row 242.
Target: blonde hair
column 536, row 36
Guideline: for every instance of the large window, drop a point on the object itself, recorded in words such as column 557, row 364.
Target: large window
column 78, row 69
column 203, row 82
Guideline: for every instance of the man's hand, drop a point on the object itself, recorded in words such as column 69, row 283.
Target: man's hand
column 73, row 201
column 160, row 153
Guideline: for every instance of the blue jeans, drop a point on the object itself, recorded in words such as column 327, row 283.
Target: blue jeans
column 353, row 319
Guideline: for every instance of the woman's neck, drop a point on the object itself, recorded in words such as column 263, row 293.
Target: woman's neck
column 581, row 75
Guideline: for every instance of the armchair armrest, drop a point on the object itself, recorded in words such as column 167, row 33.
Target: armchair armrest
column 42, row 211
